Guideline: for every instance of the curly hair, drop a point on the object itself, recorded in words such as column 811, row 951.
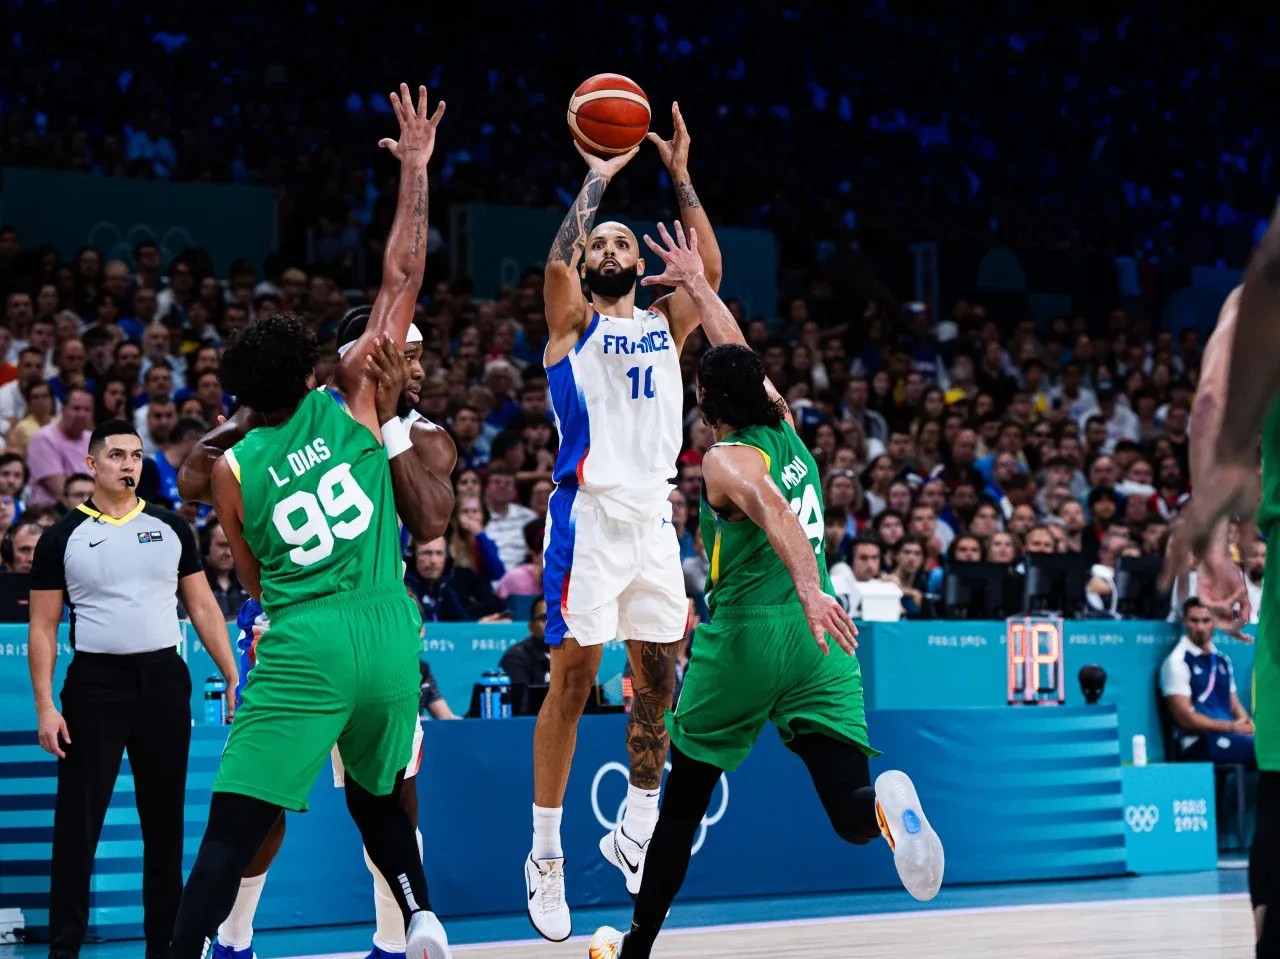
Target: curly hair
column 266, row 365
column 732, row 381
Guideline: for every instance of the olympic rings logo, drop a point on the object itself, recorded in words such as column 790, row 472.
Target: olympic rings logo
column 1142, row 818
column 710, row 819
column 115, row 244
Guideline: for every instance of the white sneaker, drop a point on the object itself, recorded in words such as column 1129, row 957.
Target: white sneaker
column 917, row 850
column 549, row 913
column 605, row 944
column 425, row 938
column 628, row 855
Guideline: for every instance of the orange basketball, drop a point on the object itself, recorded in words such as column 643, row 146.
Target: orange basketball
column 608, row 114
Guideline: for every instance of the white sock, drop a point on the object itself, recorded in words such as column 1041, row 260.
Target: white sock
column 546, row 832
column 641, row 815
column 389, row 929
column 236, row 930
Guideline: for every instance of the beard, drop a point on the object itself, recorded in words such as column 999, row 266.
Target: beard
column 610, row 286
column 1255, row 576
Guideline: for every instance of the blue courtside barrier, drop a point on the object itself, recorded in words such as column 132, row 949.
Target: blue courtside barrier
column 940, row 664
column 458, row 654
column 1016, row 794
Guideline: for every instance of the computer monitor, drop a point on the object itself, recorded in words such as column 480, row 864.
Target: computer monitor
column 1138, row 592
column 1056, row 584
column 976, row 591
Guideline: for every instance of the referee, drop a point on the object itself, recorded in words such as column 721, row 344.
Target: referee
column 120, row 565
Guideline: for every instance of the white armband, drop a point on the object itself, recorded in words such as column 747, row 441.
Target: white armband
column 395, row 436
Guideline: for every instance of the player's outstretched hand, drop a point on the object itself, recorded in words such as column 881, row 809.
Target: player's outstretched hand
column 387, row 368
column 827, row 616
column 674, row 152
column 681, row 258
column 606, row 167
column 417, row 130
column 1220, row 585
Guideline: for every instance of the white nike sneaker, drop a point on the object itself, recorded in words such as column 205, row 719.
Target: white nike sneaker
column 549, row 913
column 425, row 938
column 628, row 855
column 917, row 850
column 605, row 944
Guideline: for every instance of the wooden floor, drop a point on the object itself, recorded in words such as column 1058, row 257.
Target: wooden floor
column 1210, row 927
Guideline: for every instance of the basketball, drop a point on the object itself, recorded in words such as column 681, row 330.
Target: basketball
column 608, row 114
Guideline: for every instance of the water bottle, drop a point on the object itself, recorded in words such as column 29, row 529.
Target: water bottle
column 215, row 701
column 1139, row 750
column 491, row 683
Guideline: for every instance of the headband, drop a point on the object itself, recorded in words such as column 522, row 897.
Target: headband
column 415, row 336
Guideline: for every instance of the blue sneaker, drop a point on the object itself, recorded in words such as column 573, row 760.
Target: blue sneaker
column 383, row 954
column 226, row 952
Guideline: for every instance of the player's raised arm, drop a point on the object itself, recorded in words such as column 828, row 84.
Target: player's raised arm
column 686, row 271
column 1221, row 584
column 738, row 475
column 681, row 313
column 566, row 307
column 1255, row 367
column 405, row 257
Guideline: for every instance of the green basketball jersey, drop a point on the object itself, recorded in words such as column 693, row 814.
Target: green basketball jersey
column 1266, row 657
column 745, row 569
column 319, row 513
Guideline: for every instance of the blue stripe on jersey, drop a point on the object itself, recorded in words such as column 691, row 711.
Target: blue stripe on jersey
column 557, row 561
column 570, row 406
column 337, row 396
column 247, row 616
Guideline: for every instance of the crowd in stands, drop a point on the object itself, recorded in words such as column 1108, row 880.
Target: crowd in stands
column 969, row 435
column 1111, row 145
column 939, row 442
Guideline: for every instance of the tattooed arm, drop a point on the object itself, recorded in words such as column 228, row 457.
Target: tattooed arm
column 405, row 257
column 682, row 313
column 566, row 307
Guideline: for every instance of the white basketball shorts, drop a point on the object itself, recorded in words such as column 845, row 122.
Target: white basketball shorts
column 605, row 578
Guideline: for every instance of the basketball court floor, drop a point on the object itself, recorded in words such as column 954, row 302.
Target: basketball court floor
column 1205, row 915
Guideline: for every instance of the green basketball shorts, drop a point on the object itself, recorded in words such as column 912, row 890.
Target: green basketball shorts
column 342, row 669
column 754, row 664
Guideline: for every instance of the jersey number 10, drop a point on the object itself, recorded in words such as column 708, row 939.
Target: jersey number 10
column 633, row 374
column 337, row 493
column 807, row 510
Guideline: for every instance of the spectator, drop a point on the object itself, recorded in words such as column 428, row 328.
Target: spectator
column 1040, row 542
column 159, row 417
column 507, row 518
column 865, row 569
column 696, row 568
column 14, row 475
column 13, row 402
column 169, row 459
column 41, row 408
column 446, row 592
column 70, row 361
column 220, row 569
column 525, row 579
column 431, row 701
column 1199, row 687
column 1255, row 564
column 466, row 437
column 76, row 490
column 20, row 545
column 528, row 662
column 58, row 449
column 908, row 573
column 469, row 545
column 680, row 520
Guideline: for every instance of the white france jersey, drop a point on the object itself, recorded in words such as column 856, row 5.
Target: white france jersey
column 618, row 399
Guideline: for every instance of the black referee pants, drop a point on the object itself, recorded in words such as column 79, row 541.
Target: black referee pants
column 140, row 702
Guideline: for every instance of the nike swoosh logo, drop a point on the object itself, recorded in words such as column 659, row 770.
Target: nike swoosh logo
column 98, row 543
column 618, row 849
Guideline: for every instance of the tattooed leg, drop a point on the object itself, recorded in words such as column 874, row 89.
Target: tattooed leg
column 653, row 670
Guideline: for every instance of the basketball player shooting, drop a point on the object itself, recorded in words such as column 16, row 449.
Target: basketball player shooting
column 1239, row 395
column 309, row 510
column 612, row 562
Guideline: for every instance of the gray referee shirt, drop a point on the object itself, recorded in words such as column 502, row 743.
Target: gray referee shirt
column 120, row 576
